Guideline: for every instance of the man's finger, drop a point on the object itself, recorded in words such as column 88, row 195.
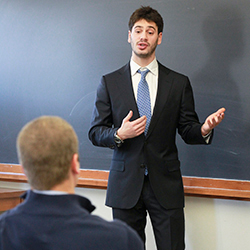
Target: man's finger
column 139, row 120
column 129, row 115
column 221, row 111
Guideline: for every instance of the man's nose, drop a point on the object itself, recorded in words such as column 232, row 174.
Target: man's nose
column 144, row 35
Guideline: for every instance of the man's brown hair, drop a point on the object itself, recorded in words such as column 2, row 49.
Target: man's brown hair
column 149, row 14
column 45, row 148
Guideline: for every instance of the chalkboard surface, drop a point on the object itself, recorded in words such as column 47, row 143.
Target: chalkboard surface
column 53, row 54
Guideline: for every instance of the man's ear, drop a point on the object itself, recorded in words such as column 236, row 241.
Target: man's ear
column 75, row 164
column 129, row 36
column 23, row 170
column 159, row 38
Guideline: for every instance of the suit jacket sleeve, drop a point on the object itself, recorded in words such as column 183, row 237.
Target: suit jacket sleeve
column 102, row 130
column 189, row 126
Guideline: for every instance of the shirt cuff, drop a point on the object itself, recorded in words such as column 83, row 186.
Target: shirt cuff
column 207, row 137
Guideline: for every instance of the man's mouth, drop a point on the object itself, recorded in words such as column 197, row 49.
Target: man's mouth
column 142, row 45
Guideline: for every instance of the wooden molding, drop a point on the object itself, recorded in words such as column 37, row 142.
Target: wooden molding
column 9, row 198
column 193, row 186
column 217, row 188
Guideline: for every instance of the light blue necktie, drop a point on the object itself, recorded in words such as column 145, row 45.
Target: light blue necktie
column 143, row 98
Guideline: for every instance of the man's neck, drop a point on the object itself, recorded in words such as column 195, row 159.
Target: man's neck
column 143, row 62
column 67, row 186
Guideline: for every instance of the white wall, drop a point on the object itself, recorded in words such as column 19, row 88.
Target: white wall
column 211, row 224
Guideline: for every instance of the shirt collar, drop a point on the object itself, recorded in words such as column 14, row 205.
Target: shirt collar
column 153, row 67
column 35, row 198
column 49, row 192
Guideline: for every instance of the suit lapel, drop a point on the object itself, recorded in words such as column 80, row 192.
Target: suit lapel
column 126, row 90
column 164, row 86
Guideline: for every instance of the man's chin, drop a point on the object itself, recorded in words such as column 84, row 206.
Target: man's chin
column 143, row 55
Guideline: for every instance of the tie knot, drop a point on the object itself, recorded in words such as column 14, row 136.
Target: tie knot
column 143, row 72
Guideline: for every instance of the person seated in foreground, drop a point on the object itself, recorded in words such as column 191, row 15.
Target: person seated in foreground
column 52, row 216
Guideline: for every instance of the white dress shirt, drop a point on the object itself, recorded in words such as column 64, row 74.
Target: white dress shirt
column 151, row 78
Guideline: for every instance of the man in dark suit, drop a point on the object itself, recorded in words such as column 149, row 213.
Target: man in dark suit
column 52, row 216
column 145, row 171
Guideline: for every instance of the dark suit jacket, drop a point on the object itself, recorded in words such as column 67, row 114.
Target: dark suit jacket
column 173, row 111
column 61, row 222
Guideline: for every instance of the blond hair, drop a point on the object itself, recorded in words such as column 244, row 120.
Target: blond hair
column 45, row 148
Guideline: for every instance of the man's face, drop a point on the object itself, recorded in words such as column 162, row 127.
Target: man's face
column 144, row 39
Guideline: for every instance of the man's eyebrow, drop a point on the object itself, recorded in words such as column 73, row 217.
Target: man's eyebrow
column 148, row 27
column 138, row 26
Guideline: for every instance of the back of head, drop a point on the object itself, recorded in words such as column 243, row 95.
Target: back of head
column 45, row 148
column 147, row 13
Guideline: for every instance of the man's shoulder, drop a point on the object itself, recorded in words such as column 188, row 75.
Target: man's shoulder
column 118, row 227
column 120, row 70
column 170, row 71
column 120, row 232
column 11, row 214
